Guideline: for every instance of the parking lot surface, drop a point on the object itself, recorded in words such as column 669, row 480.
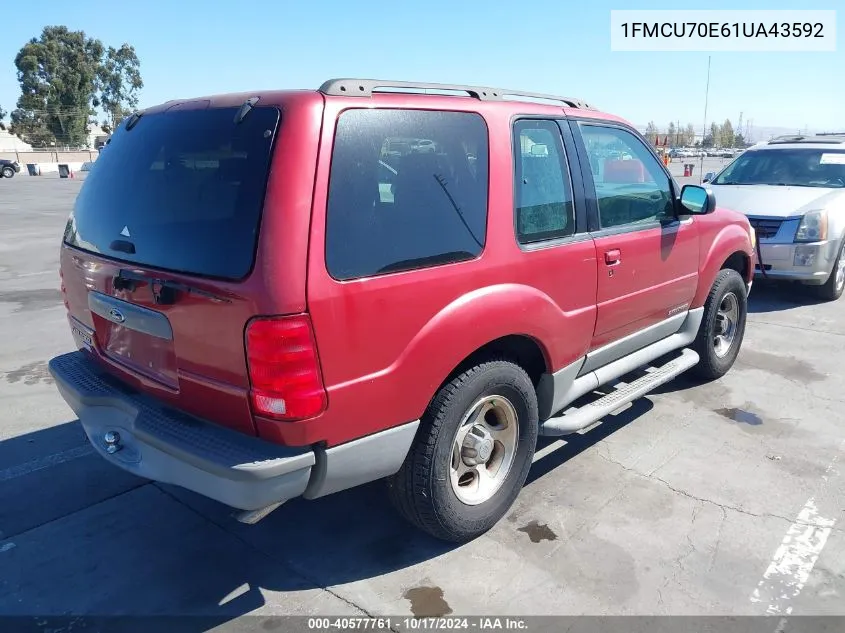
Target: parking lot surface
column 722, row 498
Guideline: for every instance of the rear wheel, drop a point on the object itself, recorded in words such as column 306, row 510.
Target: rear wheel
column 8, row 172
column 722, row 327
column 472, row 453
column 832, row 289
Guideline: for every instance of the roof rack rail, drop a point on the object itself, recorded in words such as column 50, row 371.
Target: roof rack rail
column 821, row 139
column 366, row 87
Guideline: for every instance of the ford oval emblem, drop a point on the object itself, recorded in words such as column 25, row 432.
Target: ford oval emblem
column 116, row 315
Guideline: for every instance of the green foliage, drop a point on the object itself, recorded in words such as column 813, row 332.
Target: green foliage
column 727, row 131
column 2, row 116
column 64, row 76
column 119, row 83
column 715, row 135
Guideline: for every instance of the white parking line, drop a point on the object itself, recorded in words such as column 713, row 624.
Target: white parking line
column 546, row 450
column 45, row 462
column 798, row 552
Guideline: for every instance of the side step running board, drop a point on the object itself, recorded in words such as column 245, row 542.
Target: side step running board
column 576, row 419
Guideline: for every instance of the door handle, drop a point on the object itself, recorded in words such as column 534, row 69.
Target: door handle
column 613, row 256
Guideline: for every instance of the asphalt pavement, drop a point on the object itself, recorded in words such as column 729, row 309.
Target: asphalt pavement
column 721, row 498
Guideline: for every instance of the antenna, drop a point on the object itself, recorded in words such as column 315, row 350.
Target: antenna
column 704, row 130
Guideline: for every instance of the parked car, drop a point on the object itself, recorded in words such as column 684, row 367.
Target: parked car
column 259, row 317
column 424, row 145
column 793, row 191
column 8, row 168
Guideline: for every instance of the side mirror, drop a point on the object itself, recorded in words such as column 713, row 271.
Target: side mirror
column 709, row 176
column 697, row 200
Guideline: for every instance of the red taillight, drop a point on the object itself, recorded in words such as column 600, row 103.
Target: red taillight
column 284, row 369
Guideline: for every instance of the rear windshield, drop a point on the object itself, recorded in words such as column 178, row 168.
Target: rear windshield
column 181, row 190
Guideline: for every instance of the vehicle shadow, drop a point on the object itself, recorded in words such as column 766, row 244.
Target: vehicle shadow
column 773, row 296
column 81, row 537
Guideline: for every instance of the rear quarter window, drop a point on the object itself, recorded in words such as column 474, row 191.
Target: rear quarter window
column 408, row 190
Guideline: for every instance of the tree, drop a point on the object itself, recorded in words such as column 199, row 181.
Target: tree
column 739, row 141
column 57, row 73
column 689, row 136
column 651, row 132
column 727, row 134
column 672, row 132
column 2, row 116
column 64, row 76
column 119, row 83
column 715, row 135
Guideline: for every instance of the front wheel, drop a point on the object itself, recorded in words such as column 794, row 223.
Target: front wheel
column 8, row 172
column 722, row 327
column 832, row 289
column 472, row 453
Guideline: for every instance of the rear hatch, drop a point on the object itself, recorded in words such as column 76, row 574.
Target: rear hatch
column 158, row 253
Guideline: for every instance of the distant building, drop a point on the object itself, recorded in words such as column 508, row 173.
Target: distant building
column 96, row 136
column 11, row 143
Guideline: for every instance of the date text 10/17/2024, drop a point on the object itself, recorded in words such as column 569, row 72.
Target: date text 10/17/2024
column 377, row 624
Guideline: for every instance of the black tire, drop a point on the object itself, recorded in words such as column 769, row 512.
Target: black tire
column 713, row 365
column 830, row 291
column 422, row 490
column 8, row 172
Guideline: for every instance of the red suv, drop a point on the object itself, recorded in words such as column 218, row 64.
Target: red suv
column 292, row 293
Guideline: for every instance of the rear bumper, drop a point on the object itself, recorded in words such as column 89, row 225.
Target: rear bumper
column 162, row 444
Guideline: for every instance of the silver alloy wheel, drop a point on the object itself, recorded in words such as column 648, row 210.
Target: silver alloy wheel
column 484, row 449
column 727, row 321
column 840, row 271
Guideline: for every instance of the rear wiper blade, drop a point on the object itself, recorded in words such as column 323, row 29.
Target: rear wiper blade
column 124, row 246
column 133, row 120
column 164, row 290
column 245, row 109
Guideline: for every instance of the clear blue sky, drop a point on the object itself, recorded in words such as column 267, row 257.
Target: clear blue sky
column 191, row 47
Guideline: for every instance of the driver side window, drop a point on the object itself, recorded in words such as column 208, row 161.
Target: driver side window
column 631, row 186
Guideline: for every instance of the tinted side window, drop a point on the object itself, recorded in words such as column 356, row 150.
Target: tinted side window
column 408, row 189
column 542, row 189
column 631, row 187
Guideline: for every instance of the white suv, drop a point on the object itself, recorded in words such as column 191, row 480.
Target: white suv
column 793, row 191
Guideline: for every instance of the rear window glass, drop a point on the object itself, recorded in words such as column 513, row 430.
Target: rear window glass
column 182, row 190
column 408, row 190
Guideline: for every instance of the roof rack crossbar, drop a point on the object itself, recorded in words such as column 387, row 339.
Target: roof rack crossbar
column 366, row 87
